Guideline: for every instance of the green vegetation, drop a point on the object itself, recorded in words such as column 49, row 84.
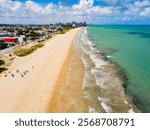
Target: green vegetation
column 64, row 30
column 2, row 44
column 25, row 52
column 32, row 35
column 35, row 47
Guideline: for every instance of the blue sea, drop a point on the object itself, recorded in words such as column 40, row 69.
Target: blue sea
column 117, row 67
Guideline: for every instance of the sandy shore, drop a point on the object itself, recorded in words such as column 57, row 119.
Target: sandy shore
column 45, row 71
column 68, row 95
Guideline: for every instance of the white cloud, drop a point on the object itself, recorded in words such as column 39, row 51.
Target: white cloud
column 13, row 6
column 145, row 12
column 86, row 7
column 135, row 8
column 142, row 3
column 33, row 7
column 126, row 18
column 31, row 11
column 49, row 8
column 83, row 4
column 29, row 8
column 85, row 10
column 100, row 10
column 111, row 1
column 3, row 1
column 132, row 11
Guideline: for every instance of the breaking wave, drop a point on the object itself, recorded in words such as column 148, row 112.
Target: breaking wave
column 102, row 85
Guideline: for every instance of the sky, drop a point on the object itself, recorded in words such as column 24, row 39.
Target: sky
column 90, row 11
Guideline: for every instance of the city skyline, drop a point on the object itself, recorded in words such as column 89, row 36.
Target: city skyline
column 91, row 11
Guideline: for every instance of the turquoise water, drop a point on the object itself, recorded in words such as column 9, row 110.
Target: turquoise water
column 128, row 47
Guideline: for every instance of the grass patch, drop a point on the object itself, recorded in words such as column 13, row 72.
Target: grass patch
column 63, row 31
column 35, row 47
column 28, row 51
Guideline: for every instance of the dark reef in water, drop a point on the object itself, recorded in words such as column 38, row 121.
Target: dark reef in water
column 122, row 74
column 138, row 101
column 120, row 71
column 124, row 77
column 111, row 51
column 144, row 35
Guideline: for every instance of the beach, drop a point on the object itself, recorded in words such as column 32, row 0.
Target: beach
column 70, row 74
column 45, row 72
column 68, row 95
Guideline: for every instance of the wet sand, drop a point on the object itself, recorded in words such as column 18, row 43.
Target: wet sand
column 68, row 95
column 35, row 90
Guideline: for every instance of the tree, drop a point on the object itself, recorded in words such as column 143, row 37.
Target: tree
column 33, row 35
column 3, row 45
column 20, row 32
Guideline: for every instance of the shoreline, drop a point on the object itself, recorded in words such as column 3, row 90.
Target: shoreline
column 62, row 78
column 68, row 95
column 104, row 81
column 33, row 91
column 124, row 77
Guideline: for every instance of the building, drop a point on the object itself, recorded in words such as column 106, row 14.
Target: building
column 9, row 41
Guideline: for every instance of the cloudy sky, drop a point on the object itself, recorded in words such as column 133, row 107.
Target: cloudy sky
column 91, row 11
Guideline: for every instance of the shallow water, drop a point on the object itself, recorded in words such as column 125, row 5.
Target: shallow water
column 103, row 83
column 129, row 48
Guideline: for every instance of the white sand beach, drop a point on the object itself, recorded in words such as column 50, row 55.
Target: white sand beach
column 33, row 91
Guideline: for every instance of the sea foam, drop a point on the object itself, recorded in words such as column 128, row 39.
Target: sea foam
column 107, row 108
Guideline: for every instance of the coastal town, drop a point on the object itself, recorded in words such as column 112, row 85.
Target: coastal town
column 12, row 35
column 16, row 37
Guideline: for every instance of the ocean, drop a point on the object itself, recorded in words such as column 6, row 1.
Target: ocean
column 117, row 67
